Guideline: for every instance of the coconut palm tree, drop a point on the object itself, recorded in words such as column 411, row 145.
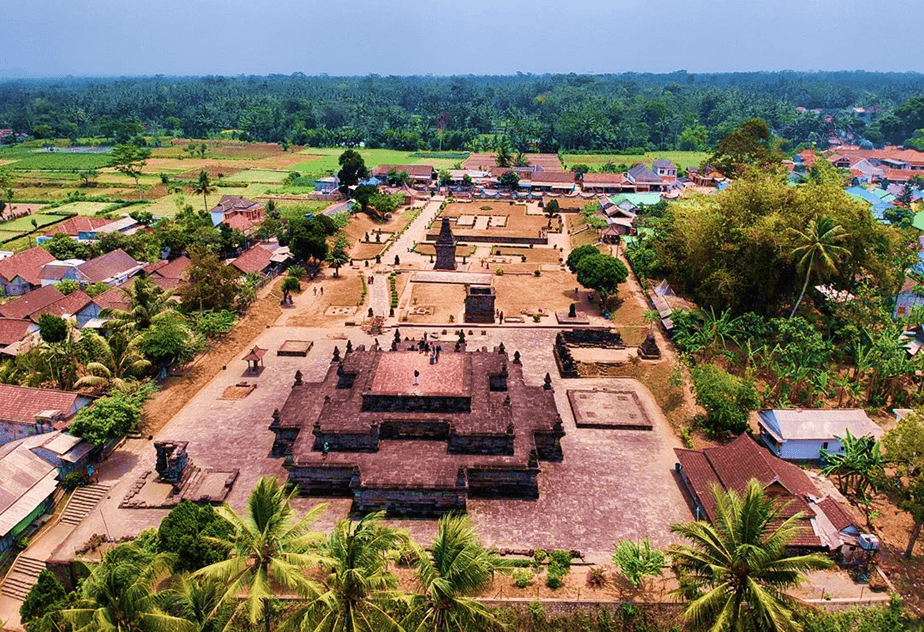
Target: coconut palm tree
column 269, row 549
column 116, row 358
column 203, row 187
column 740, row 564
column 195, row 601
column 503, row 151
column 119, row 596
column 358, row 587
column 338, row 256
column 146, row 301
column 817, row 245
column 455, row 566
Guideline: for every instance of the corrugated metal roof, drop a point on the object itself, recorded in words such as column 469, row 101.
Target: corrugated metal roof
column 27, row 480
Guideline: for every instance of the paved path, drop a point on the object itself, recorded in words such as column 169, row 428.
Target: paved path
column 415, row 233
column 380, row 295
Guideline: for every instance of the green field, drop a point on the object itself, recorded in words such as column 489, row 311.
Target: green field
column 258, row 175
column 31, row 159
column 24, row 224
column 683, row 159
column 84, row 208
column 326, row 163
column 6, row 235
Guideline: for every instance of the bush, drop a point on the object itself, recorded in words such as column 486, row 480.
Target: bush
column 210, row 324
column 500, row 272
column 522, row 577
column 184, row 532
column 73, row 480
column 727, row 398
column 560, row 558
column 638, row 560
column 596, row 577
column 540, row 555
column 42, row 597
column 112, row 416
column 291, row 284
column 554, row 575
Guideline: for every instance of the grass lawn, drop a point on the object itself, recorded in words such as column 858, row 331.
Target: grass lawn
column 6, row 235
column 294, row 210
column 84, row 208
column 683, row 159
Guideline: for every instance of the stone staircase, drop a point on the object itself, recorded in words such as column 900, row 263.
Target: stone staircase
column 22, row 577
column 82, row 502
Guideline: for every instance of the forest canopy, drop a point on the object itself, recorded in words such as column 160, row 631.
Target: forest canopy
column 621, row 112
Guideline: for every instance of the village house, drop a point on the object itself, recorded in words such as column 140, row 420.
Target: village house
column 167, row 274
column 548, row 181
column 265, row 259
column 13, row 332
column 29, row 411
column 907, row 299
column 825, row 525
column 79, row 227
column 643, row 178
column 418, row 175
column 22, row 272
column 248, row 212
column 605, row 183
column 665, row 169
column 801, row 434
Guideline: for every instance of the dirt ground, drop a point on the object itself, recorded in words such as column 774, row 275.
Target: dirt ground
column 552, row 291
column 343, row 291
column 442, row 300
column 533, row 255
column 178, row 390
column 893, row 527
column 518, row 222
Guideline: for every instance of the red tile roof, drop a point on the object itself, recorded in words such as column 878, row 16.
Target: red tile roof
column 31, row 302
column 26, row 265
column 232, row 203
column 174, row 269
column 839, row 515
column 254, row 260
column 18, row 403
column 13, row 330
column 240, row 222
column 605, row 178
column 899, row 175
column 77, row 224
column 551, row 177
column 113, row 299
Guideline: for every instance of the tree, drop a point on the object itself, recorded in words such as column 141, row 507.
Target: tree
column 188, row 532
column 210, row 285
column 818, row 243
column 88, row 176
column 44, row 596
column 269, row 548
column 749, row 144
column 203, row 187
column 111, row 417
column 338, row 256
column 728, row 399
column 170, row 341
column 510, row 180
column 63, row 247
column 740, row 566
column 503, row 152
column 904, row 473
column 357, row 587
column 602, row 273
column 130, row 159
column 146, row 302
column 352, row 169
column 856, row 466
column 119, row 595
column 579, row 253
column 116, row 358
column 307, row 240
column 52, row 328
column 455, row 566
column 636, row 561
column 551, row 209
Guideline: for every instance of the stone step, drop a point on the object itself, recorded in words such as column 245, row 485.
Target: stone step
column 22, row 577
column 82, row 502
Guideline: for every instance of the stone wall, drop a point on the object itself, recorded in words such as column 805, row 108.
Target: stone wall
column 480, row 443
column 399, row 429
column 323, row 480
column 495, row 483
column 416, row 503
column 548, row 446
column 492, row 239
column 416, row 404
column 344, row 442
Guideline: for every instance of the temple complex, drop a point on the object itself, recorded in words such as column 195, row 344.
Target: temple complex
column 418, row 429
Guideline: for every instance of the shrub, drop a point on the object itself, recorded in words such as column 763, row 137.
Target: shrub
column 596, row 577
column 184, row 532
column 560, row 558
column 73, row 480
column 554, row 575
column 537, row 272
column 42, row 597
column 540, row 555
column 727, row 398
column 291, row 284
column 522, row 577
column 638, row 560
column 500, row 272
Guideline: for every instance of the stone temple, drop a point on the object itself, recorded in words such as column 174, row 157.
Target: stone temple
column 445, row 246
column 395, row 430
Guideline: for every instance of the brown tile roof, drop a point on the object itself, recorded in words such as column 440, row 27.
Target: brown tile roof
column 551, row 177
column 109, row 265
column 166, row 269
column 13, row 330
column 77, row 224
column 899, row 175
column 740, row 460
column 239, row 222
column 31, row 302
column 26, row 265
column 254, row 260
column 545, row 162
column 67, row 306
column 113, row 299
column 480, row 161
column 605, row 178
column 230, row 203
column 19, row 403
column 839, row 515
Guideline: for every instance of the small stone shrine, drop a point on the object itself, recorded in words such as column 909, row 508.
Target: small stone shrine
column 649, row 349
column 171, row 461
column 479, row 304
column 418, row 430
column 445, row 248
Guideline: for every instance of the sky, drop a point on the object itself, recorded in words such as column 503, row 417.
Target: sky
column 416, row 37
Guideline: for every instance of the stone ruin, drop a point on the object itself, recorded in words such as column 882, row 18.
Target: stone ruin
column 649, row 349
column 172, row 462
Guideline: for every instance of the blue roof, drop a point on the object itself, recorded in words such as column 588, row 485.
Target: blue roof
column 636, row 198
column 864, row 194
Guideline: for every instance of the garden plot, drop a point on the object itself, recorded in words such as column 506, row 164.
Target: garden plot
column 84, row 208
column 258, row 175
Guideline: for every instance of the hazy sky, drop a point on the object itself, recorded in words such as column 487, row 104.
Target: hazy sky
column 403, row 37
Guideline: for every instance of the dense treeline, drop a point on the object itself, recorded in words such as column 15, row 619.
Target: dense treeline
column 538, row 112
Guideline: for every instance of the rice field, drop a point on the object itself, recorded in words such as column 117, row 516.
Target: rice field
column 258, row 175
column 7, row 235
column 53, row 160
column 322, row 161
column 84, row 208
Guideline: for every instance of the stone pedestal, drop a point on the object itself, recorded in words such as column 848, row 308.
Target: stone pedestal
column 479, row 304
